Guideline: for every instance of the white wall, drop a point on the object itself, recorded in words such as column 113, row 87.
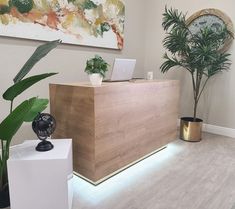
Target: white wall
column 68, row 60
column 217, row 104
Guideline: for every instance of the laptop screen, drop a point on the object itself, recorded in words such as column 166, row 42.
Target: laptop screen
column 123, row 69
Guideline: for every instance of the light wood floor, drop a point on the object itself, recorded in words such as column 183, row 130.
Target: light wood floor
column 182, row 176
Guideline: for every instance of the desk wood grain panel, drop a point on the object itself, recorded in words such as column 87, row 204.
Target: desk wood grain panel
column 73, row 109
column 132, row 121
column 115, row 124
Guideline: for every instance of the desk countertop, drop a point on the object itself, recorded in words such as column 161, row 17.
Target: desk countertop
column 105, row 83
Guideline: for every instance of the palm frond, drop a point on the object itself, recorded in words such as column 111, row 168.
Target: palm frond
column 176, row 41
column 208, row 37
column 222, row 63
column 173, row 18
column 169, row 63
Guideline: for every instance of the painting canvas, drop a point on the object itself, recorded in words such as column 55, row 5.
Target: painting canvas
column 98, row 23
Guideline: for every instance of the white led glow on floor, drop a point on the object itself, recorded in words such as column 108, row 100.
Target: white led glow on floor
column 121, row 181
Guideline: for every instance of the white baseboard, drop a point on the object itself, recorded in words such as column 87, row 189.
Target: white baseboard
column 230, row 132
column 220, row 130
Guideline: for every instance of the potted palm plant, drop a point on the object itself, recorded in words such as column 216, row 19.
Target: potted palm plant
column 199, row 54
column 96, row 68
column 24, row 112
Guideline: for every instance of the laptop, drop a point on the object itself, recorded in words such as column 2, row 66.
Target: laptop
column 122, row 70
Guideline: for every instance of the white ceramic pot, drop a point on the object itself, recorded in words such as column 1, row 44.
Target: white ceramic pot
column 96, row 79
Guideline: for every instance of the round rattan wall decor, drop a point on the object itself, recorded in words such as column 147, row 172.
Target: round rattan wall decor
column 211, row 18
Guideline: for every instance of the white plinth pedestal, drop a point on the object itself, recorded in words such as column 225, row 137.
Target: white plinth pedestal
column 41, row 180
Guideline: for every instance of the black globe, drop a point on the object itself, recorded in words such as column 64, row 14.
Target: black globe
column 44, row 125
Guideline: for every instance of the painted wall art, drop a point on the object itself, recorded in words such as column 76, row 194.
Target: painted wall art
column 98, row 23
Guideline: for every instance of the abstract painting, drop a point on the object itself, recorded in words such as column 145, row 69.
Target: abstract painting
column 98, row 23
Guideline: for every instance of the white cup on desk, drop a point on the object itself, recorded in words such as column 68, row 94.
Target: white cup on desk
column 150, row 75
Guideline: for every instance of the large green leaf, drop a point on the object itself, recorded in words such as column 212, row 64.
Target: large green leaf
column 12, row 92
column 14, row 120
column 39, row 53
column 38, row 106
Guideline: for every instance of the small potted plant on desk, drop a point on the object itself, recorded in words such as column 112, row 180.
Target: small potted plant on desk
column 199, row 54
column 96, row 68
column 24, row 112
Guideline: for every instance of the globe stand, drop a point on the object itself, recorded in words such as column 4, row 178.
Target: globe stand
column 44, row 146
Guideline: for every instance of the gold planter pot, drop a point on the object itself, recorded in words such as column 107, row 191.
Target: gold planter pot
column 190, row 130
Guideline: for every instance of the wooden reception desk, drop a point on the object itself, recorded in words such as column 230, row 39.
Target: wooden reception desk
column 115, row 125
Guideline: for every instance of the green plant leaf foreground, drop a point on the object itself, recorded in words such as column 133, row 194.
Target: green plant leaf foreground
column 39, row 53
column 12, row 92
column 14, row 120
column 38, row 106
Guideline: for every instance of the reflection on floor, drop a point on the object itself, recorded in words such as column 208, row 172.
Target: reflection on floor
column 182, row 176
